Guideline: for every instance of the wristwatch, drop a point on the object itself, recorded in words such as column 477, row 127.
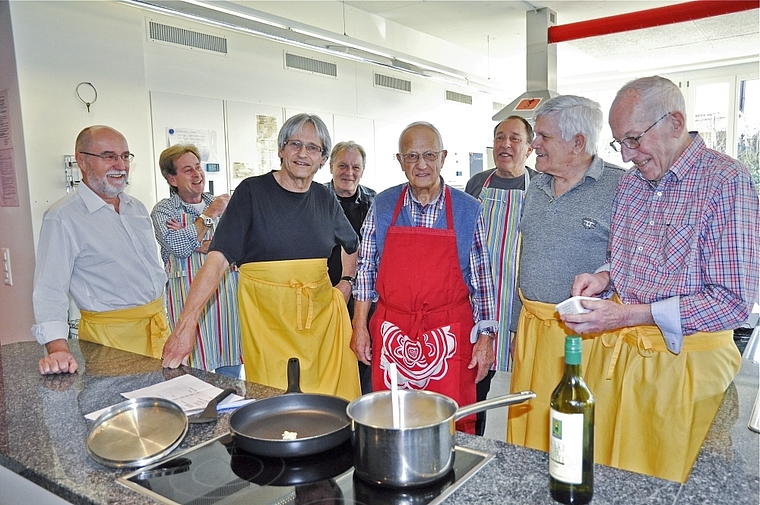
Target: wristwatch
column 351, row 280
column 488, row 333
column 207, row 221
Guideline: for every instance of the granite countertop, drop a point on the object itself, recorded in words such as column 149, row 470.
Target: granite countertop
column 43, row 432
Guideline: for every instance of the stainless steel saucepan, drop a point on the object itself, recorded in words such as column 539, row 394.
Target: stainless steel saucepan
column 421, row 449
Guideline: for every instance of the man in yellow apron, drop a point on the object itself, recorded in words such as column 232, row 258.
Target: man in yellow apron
column 280, row 228
column 564, row 229
column 684, row 263
column 97, row 245
column 500, row 191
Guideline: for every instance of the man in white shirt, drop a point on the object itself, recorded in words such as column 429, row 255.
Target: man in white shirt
column 97, row 245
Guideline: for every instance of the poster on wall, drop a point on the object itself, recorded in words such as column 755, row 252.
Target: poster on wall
column 204, row 140
column 5, row 121
column 8, row 188
column 266, row 148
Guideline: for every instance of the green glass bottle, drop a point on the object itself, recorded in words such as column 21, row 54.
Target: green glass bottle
column 571, row 432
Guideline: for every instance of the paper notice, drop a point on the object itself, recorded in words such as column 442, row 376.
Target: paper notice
column 189, row 392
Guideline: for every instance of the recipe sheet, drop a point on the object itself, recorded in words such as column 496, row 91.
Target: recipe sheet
column 189, row 392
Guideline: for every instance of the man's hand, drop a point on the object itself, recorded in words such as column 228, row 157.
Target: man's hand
column 203, row 249
column 607, row 315
column 218, row 206
column 482, row 356
column 590, row 284
column 175, row 225
column 361, row 344
column 59, row 359
column 178, row 347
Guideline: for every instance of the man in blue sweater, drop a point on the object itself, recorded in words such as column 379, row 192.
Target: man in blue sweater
column 424, row 258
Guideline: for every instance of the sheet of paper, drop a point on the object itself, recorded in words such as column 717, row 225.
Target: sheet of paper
column 189, row 392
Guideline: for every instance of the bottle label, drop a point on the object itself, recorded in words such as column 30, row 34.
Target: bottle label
column 566, row 447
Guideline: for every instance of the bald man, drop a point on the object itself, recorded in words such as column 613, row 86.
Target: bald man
column 97, row 245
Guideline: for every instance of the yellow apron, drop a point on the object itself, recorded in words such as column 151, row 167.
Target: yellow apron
column 539, row 362
column 142, row 330
column 290, row 309
column 653, row 407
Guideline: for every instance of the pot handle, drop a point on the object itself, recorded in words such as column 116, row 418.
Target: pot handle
column 294, row 376
column 499, row 401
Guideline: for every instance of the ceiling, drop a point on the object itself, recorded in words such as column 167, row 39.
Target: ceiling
column 496, row 28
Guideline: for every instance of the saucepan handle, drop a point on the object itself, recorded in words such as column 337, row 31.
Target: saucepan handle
column 499, row 401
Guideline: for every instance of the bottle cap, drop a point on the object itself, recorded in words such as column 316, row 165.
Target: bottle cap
column 573, row 350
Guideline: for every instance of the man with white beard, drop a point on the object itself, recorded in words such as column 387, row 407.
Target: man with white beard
column 97, row 245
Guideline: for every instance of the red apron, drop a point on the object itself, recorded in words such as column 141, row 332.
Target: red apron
column 423, row 317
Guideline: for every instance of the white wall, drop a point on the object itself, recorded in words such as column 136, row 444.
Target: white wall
column 15, row 222
column 61, row 44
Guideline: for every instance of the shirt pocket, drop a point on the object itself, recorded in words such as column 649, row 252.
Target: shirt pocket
column 675, row 247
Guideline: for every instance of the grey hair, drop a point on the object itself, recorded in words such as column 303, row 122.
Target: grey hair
column 348, row 145
column 295, row 123
column 575, row 115
column 658, row 95
column 425, row 124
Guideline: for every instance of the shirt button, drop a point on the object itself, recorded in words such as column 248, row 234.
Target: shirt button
column 651, row 223
column 659, row 193
column 640, row 248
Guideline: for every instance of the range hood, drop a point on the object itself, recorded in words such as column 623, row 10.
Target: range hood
column 540, row 65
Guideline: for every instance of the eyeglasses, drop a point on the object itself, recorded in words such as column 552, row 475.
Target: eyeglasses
column 415, row 157
column 633, row 142
column 310, row 148
column 112, row 157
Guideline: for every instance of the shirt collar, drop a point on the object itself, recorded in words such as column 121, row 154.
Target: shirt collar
column 206, row 199
column 438, row 199
column 94, row 202
column 683, row 163
column 357, row 195
column 595, row 170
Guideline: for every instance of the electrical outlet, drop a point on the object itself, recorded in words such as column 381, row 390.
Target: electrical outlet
column 7, row 275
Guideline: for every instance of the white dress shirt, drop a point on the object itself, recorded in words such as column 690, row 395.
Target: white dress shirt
column 104, row 259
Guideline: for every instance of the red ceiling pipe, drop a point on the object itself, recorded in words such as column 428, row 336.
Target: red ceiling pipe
column 679, row 13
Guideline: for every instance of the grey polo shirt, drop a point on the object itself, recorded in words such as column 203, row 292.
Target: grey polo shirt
column 566, row 235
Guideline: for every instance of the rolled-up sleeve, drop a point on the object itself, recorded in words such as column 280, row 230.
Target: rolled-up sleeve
column 368, row 262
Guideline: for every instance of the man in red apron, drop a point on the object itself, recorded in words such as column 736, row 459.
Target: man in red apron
column 424, row 258
column 501, row 191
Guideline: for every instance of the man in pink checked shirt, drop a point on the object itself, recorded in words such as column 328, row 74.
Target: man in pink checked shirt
column 683, row 261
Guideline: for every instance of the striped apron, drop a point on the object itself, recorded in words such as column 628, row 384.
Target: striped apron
column 217, row 338
column 501, row 216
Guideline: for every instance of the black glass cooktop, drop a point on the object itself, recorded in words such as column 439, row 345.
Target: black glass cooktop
column 217, row 472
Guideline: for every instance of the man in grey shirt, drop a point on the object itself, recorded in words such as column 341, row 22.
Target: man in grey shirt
column 565, row 227
column 97, row 245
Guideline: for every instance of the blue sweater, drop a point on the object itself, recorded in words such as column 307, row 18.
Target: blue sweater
column 466, row 211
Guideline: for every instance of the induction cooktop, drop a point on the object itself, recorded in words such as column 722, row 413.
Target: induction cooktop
column 218, row 472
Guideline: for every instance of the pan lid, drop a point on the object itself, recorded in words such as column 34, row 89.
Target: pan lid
column 136, row 432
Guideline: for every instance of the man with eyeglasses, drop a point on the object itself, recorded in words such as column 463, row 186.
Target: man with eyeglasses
column 347, row 163
column 97, row 245
column 279, row 229
column 424, row 258
column 683, row 267
column 184, row 225
column 501, row 191
column 564, row 230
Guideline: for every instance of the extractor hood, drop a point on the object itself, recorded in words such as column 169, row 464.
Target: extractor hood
column 540, row 64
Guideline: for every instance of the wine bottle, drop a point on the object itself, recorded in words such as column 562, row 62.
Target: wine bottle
column 571, row 432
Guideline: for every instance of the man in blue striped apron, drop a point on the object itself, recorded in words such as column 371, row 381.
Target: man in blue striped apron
column 501, row 191
column 184, row 224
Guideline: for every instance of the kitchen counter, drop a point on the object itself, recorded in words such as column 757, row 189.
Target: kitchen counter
column 43, row 432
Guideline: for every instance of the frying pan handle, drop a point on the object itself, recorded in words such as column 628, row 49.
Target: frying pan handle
column 499, row 401
column 294, row 376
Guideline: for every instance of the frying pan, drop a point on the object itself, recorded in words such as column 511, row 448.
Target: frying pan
column 266, row 471
column 317, row 422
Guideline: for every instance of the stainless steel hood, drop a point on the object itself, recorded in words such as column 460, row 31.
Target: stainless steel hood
column 541, row 66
